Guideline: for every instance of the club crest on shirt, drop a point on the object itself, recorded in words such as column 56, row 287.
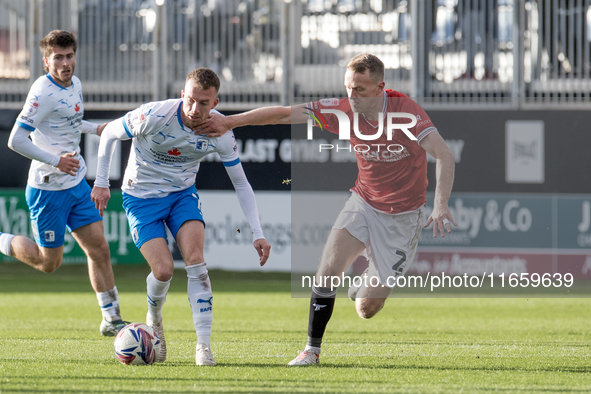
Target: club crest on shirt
column 203, row 145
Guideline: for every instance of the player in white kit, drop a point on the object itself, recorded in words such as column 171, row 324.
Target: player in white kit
column 57, row 193
column 159, row 188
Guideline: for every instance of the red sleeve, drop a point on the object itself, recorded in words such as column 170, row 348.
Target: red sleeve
column 424, row 124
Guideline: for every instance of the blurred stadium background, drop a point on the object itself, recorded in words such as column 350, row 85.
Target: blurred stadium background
column 507, row 82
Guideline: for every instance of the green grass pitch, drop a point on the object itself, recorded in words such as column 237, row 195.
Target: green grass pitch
column 49, row 340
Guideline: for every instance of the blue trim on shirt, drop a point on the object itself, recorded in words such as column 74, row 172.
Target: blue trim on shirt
column 231, row 163
column 178, row 115
column 57, row 84
column 125, row 127
column 25, row 126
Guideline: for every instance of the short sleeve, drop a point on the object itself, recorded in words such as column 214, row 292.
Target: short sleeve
column 228, row 150
column 424, row 124
column 142, row 120
column 37, row 107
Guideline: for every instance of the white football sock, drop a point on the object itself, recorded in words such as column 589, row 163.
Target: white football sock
column 201, row 300
column 109, row 303
column 313, row 348
column 5, row 243
column 156, row 295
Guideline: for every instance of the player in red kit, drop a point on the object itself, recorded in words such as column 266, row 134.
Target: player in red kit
column 377, row 176
column 384, row 215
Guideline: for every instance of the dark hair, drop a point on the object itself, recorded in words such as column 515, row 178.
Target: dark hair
column 57, row 38
column 367, row 61
column 204, row 78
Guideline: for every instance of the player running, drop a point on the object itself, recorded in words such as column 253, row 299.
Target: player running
column 383, row 216
column 158, row 188
column 57, row 193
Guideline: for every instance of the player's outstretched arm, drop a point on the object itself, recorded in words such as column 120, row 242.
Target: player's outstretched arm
column 92, row 128
column 112, row 132
column 444, row 175
column 249, row 207
column 216, row 125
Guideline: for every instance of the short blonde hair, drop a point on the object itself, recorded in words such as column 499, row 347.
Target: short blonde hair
column 204, row 78
column 367, row 61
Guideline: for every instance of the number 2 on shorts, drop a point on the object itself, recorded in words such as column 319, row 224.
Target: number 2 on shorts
column 399, row 263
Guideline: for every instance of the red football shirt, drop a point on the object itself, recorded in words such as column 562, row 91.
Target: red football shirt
column 392, row 174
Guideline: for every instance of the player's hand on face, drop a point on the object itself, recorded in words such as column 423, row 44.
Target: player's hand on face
column 69, row 164
column 441, row 218
column 263, row 249
column 100, row 197
column 213, row 126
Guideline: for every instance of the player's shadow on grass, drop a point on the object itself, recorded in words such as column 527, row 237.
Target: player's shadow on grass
column 585, row 369
column 389, row 367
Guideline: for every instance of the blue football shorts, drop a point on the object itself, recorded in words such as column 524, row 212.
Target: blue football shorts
column 54, row 210
column 147, row 216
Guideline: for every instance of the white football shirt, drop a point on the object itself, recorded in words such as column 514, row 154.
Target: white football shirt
column 54, row 116
column 165, row 154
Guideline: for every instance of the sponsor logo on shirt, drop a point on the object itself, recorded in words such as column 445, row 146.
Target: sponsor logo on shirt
column 173, row 156
column 26, row 119
column 75, row 117
column 333, row 102
column 77, row 108
column 383, row 155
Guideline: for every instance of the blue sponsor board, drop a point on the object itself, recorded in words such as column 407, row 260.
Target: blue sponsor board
column 525, row 221
column 573, row 216
column 497, row 221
